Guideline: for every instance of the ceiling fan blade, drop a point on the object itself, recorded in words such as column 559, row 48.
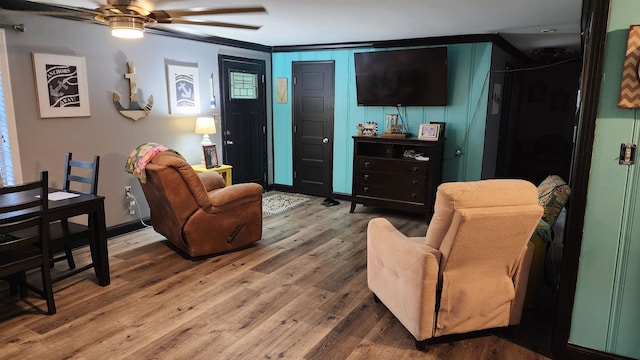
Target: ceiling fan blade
column 66, row 14
column 209, row 23
column 46, row 8
column 172, row 14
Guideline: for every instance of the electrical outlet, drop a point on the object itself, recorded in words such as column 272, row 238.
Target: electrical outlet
column 127, row 192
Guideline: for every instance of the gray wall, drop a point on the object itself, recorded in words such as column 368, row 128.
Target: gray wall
column 43, row 142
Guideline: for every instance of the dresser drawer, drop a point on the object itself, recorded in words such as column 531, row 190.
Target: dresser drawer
column 396, row 192
column 394, row 166
column 407, row 181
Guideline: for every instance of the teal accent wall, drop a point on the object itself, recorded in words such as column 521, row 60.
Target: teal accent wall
column 606, row 313
column 465, row 114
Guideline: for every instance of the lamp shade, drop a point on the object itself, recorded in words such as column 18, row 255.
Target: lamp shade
column 205, row 125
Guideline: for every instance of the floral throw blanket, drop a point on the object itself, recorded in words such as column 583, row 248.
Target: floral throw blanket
column 140, row 157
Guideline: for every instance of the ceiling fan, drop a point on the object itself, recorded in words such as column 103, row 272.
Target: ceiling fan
column 129, row 18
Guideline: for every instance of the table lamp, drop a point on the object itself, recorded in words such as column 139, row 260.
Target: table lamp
column 205, row 125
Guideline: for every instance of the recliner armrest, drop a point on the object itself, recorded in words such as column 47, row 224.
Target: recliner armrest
column 520, row 280
column 234, row 195
column 403, row 273
column 212, row 180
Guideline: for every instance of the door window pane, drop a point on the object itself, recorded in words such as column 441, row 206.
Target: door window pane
column 243, row 85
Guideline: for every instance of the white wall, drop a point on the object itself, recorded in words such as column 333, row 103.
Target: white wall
column 43, row 142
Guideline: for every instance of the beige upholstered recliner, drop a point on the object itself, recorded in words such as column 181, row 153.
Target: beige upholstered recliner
column 196, row 212
column 470, row 273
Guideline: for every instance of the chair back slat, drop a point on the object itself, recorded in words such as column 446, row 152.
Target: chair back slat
column 20, row 202
column 91, row 178
column 35, row 220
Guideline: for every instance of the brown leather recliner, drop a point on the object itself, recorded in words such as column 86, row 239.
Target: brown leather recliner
column 196, row 212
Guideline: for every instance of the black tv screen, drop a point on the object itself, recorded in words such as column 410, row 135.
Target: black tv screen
column 416, row 77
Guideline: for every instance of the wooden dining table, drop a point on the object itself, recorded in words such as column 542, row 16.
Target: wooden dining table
column 80, row 204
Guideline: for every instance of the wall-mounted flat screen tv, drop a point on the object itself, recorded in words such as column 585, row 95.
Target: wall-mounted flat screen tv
column 415, row 77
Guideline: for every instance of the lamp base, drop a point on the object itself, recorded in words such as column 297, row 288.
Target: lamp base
column 205, row 142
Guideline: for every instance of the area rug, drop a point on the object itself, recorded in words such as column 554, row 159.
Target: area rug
column 276, row 204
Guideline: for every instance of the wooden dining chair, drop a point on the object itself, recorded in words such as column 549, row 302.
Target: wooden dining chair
column 20, row 213
column 66, row 235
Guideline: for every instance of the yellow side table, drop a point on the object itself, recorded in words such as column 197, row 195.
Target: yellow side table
column 224, row 170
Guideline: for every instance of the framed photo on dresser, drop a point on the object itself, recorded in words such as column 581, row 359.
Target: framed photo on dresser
column 429, row 132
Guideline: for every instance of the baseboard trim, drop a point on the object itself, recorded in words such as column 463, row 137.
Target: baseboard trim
column 125, row 228
column 576, row 352
column 283, row 188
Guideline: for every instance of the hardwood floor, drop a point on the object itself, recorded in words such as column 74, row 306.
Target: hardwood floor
column 300, row 293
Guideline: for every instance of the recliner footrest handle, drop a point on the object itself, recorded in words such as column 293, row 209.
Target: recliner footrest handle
column 235, row 233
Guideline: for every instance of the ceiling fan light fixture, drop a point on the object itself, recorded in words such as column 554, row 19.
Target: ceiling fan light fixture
column 126, row 27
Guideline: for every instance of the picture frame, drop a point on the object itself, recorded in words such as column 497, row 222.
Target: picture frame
column 629, row 86
column 61, row 85
column 392, row 125
column 429, row 132
column 443, row 127
column 210, row 156
column 370, row 129
column 183, row 85
column 282, row 91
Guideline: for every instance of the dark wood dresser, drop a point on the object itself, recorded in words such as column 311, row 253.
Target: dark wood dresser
column 385, row 175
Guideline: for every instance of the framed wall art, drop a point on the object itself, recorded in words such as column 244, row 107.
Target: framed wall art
column 281, row 91
column 429, row 132
column 210, row 156
column 183, row 89
column 61, row 85
column 630, row 84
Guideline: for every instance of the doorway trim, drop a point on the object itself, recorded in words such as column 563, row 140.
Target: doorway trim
column 262, row 94
column 592, row 66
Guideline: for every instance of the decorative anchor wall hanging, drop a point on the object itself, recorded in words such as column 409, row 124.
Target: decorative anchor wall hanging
column 135, row 111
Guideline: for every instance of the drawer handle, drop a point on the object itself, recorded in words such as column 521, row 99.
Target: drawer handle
column 365, row 189
column 367, row 176
column 367, row 164
column 413, row 196
column 414, row 182
column 415, row 168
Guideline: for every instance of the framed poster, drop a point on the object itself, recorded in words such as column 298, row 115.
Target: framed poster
column 61, row 85
column 183, row 89
column 210, row 156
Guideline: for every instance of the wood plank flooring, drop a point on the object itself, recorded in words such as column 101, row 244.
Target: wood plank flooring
column 300, row 293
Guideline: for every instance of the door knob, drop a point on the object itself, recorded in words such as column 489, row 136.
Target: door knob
column 325, row 140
